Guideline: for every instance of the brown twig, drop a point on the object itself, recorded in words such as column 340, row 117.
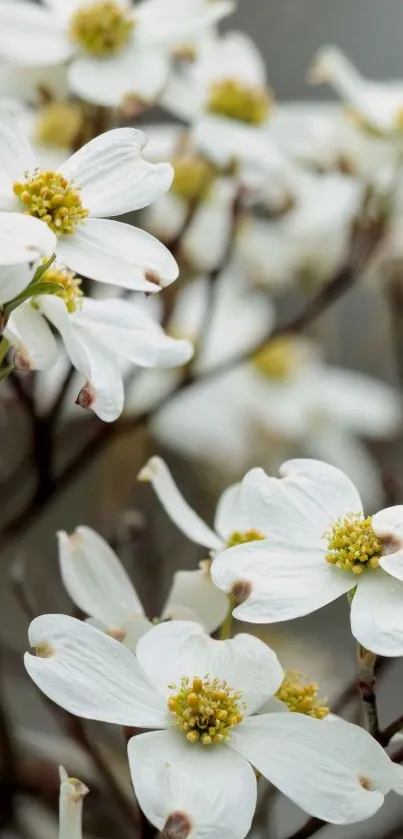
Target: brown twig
column 393, row 728
column 366, row 685
column 309, row 828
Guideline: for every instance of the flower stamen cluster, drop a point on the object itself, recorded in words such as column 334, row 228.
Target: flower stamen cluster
column 277, row 359
column 53, row 199
column 241, row 537
column 70, row 286
column 193, row 177
column 301, row 697
column 205, row 709
column 59, row 124
column 234, row 99
column 353, row 545
column 102, row 28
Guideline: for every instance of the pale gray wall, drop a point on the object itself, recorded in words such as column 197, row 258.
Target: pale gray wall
column 289, row 31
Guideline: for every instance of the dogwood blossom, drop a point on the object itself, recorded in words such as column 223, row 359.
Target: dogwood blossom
column 23, row 242
column 319, row 546
column 378, row 104
column 188, row 769
column 99, row 585
column 96, row 334
column 108, row 176
column 118, row 49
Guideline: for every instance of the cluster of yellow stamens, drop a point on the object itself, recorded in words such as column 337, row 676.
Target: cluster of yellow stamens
column 102, row 28
column 301, row 696
column 59, row 124
column 70, row 285
column 278, row 359
column 193, row 177
column 52, row 198
column 241, row 537
column 353, row 545
column 234, row 99
column 205, row 709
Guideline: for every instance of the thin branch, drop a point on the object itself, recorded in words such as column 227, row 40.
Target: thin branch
column 393, row 728
column 309, row 828
column 366, row 685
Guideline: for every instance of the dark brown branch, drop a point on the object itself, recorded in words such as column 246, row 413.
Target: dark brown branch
column 309, row 828
column 393, row 728
column 366, row 686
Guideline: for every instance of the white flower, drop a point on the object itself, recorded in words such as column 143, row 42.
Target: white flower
column 96, row 334
column 23, row 242
column 379, row 104
column 99, row 585
column 180, row 773
column 118, row 49
column 108, row 176
column 72, row 794
column 320, row 546
column 310, row 240
column 235, row 520
column 224, row 96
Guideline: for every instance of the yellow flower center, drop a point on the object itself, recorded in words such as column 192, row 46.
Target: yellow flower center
column 277, row 359
column 205, row 709
column 59, row 124
column 241, row 537
column 69, row 283
column 300, row 696
column 353, row 545
column 236, row 100
column 51, row 198
column 102, row 28
column 193, row 177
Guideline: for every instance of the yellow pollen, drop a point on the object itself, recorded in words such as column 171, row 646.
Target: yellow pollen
column 193, row 177
column 59, row 124
column 235, row 100
column 51, row 198
column 353, row 545
column 69, row 283
column 241, row 537
column 102, row 28
column 205, row 709
column 300, row 696
column 278, row 359
column 44, row 650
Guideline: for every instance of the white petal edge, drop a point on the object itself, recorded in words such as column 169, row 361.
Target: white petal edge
column 195, row 590
column 377, row 613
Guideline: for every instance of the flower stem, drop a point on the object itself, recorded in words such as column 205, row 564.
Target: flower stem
column 226, row 626
column 366, row 685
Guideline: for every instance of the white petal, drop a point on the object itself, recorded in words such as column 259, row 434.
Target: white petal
column 119, row 254
column 31, row 36
column 377, row 613
column 113, row 176
column 233, row 55
column 285, row 581
column 229, row 513
column 318, row 766
column 223, row 140
column 24, row 239
column 158, row 474
column 139, row 74
column 388, row 524
column 121, row 327
column 28, row 331
column 72, row 794
column 213, row 792
column 91, row 358
column 175, row 21
column 368, row 407
column 95, row 578
column 13, row 280
column 16, row 155
column 300, row 506
column 195, row 590
column 206, row 241
column 180, row 648
column 91, row 675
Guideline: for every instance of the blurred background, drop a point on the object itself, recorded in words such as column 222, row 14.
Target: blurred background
column 209, row 442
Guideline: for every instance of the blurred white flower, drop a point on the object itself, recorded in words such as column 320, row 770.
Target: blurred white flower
column 95, row 334
column 378, row 104
column 190, row 773
column 310, row 240
column 99, row 585
column 320, row 546
column 108, row 176
column 23, row 242
column 118, row 49
column 72, row 794
column 224, row 95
